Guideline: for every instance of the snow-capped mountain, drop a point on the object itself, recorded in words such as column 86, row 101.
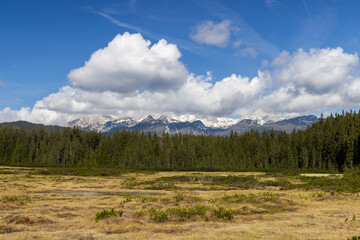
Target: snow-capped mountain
column 91, row 123
column 208, row 121
column 188, row 124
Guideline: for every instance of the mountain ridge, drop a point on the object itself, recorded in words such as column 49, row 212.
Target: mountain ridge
column 189, row 124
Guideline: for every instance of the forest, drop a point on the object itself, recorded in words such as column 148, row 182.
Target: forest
column 331, row 144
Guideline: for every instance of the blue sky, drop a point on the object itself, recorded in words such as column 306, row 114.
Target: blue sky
column 223, row 46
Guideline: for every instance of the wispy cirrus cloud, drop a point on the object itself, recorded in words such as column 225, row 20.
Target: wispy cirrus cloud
column 306, row 8
column 247, row 52
column 190, row 46
column 184, row 44
column 271, row 3
column 316, row 29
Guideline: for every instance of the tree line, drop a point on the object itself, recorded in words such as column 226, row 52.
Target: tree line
column 332, row 143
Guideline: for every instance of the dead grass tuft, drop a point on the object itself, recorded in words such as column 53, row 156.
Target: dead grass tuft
column 20, row 219
column 66, row 215
column 9, row 229
column 121, row 229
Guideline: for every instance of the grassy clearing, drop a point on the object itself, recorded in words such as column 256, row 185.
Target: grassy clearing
column 177, row 205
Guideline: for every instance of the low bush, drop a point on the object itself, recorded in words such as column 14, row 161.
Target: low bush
column 179, row 197
column 188, row 212
column 221, row 212
column 158, row 215
column 354, row 238
column 106, row 214
column 139, row 213
column 251, row 198
column 346, row 184
column 21, row 200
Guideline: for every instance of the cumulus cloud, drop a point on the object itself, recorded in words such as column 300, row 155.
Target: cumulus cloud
column 281, row 60
column 130, row 63
column 210, row 33
column 2, row 85
column 34, row 115
column 197, row 95
column 319, row 70
column 288, row 99
column 312, row 81
column 122, row 80
column 352, row 91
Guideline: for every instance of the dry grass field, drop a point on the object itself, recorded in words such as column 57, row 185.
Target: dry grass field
column 170, row 205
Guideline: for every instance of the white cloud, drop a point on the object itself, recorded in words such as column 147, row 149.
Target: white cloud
column 210, row 33
column 312, row 81
column 197, row 95
column 248, row 52
column 353, row 90
column 281, row 60
column 319, row 70
column 130, row 63
column 288, row 99
column 301, row 82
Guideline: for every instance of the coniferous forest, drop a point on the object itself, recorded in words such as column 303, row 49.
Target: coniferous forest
column 332, row 143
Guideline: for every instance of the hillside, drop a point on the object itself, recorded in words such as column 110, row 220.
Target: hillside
column 30, row 126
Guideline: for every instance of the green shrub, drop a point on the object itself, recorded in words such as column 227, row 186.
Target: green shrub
column 179, row 197
column 354, row 238
column 221, row 212
column 179, row 179
column 106, row 214
column 139, row 213
column 252, row 198
column 347, row 184
column 21, row 200
column 158, row 215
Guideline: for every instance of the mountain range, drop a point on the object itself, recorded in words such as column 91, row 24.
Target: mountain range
column 189, row 124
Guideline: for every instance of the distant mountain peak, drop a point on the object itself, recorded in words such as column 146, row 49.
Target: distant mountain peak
column 148, row 119
column 189, row 124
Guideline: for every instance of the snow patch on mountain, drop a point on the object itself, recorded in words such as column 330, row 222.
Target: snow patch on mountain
column 91, row 123
column 208, row 121
column 193, row 123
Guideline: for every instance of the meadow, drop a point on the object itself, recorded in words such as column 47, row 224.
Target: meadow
column 40, row 203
